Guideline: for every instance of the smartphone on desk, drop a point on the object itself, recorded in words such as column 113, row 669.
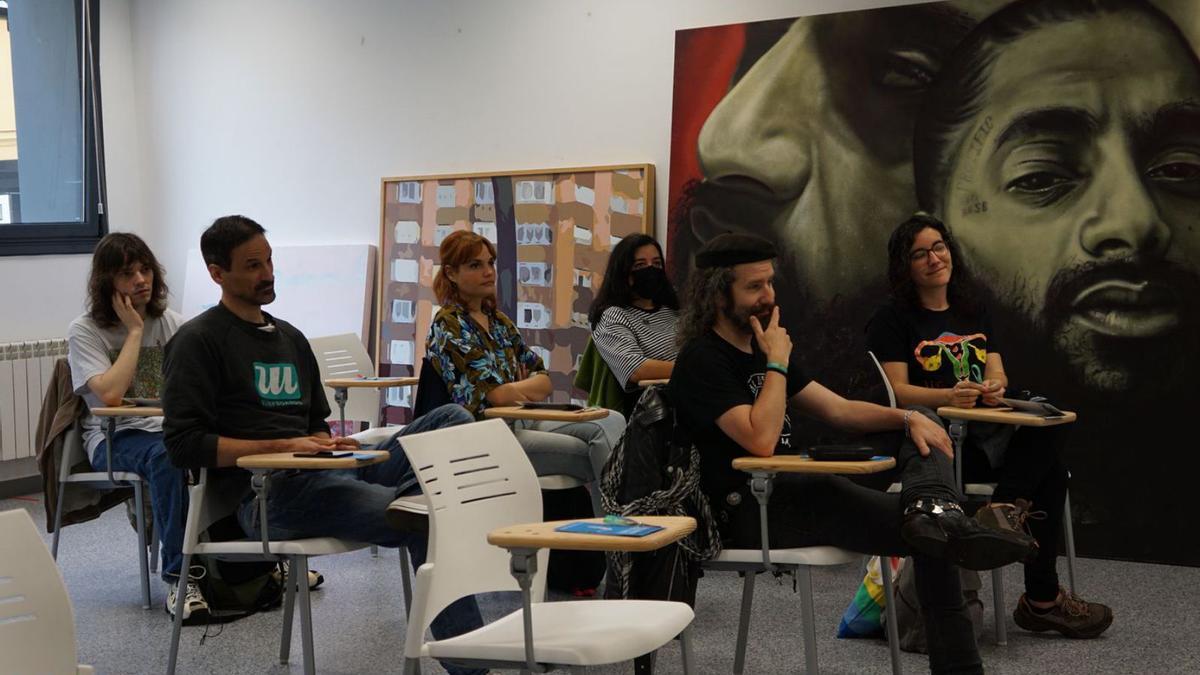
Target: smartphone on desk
column 327, row 454
column 546, row 405
column 143, row 402
column 842, row 453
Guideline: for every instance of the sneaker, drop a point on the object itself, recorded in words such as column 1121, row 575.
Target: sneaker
column 1073, row 616
column 940, row 529
column 280, row 572
column 195, row 607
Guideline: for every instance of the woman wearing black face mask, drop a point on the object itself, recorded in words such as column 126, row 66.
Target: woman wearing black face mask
column 634, row 313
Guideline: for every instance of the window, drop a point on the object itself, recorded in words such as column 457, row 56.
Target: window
column 440, row 232
column 532, row 315
column 51, row 148
column 446, row 195
column 486, row 230
column 408, row 232
column 534, row 273
column 402, row 311
column 408, row 192
column 484, row 193
column 534, row 233
column 535, row 192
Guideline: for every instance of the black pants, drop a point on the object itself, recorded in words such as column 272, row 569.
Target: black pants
column 1034, row 470
column 833, row 511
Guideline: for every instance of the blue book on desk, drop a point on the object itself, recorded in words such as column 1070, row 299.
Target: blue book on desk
column 581, row 527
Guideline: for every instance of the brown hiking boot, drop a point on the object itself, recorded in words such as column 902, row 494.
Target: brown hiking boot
column 1073, row 616
column 1009, row 518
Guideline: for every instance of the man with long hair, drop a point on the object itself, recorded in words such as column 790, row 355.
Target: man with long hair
column 115, row 351
column 732, row 382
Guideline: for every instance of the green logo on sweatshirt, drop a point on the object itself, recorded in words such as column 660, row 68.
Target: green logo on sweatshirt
column 277, row 381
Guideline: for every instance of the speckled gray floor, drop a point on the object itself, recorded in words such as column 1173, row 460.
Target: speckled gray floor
column 359, row 626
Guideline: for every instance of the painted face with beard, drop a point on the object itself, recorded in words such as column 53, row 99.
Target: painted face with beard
column 1075, row 193
column 811, row 148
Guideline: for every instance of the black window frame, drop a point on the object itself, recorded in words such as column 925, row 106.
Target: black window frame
column 50, row 238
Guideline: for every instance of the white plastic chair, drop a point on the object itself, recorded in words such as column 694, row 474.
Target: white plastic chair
column 345, row 356
column 958, row 434
column 750, row 562
column 72, row 455
column 477, row 478
column 205, row 507
column 37, row 627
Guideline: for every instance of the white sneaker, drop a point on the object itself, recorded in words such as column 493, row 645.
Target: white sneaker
column 315, row 578
column 195, row 607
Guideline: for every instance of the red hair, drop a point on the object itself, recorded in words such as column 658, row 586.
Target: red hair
column 458, row 248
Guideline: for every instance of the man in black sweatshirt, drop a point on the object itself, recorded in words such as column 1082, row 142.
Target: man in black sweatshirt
column 238, row 382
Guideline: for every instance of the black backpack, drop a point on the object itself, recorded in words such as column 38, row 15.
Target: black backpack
column 650, row 473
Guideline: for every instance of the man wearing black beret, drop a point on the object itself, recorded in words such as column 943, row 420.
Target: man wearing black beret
column 731, row 385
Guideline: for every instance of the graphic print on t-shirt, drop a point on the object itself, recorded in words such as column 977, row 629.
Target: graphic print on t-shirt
column 147, row 379
column 278, row 384
column 965, row 357
column 755, row 383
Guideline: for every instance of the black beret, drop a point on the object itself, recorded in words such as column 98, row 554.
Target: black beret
column 731, row 248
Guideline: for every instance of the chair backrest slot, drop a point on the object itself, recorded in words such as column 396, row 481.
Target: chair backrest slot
column 482, row 468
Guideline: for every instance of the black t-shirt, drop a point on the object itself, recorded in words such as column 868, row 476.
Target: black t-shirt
column 711, row 377
column 940, row 347
column 223, row 376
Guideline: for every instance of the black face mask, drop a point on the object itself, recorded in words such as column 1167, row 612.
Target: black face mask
column 652, row 284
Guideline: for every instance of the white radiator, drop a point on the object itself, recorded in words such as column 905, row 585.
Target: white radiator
column 26, row 369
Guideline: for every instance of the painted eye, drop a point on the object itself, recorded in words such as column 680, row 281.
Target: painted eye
column 907, row 70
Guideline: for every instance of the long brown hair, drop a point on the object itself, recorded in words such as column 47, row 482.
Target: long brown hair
column 459, row 248
column 114, row 252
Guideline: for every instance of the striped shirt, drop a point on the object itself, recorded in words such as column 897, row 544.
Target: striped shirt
column 627, row 337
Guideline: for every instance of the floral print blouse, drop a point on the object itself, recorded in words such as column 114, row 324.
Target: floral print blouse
column 473, row 361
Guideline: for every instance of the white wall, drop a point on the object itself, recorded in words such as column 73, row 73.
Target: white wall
column 291, row 111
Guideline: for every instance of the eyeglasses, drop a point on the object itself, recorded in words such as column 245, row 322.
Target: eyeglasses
column 917, row 255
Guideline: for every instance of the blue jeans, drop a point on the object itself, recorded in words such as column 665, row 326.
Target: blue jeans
column 143, row 453
column 351, row 503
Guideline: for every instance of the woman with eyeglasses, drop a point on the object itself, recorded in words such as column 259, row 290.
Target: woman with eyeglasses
column 633, row 316
column 938, row 348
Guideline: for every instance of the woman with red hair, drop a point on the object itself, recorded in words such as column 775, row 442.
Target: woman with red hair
column 484, row 361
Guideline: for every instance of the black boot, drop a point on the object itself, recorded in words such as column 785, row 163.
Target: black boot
column 940, row 529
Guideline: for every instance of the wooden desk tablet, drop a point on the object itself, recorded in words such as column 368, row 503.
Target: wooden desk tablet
column 516, row 412
column 341, row 387
column 542, row 535
column 371, row 382
column 288, row 460
column 1004, row 416
column 802, row 464
column 127, row 411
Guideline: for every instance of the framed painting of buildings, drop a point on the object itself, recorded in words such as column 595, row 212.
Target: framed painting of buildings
column 553, row 230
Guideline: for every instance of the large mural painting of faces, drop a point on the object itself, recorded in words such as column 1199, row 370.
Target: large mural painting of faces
column 1059, row 140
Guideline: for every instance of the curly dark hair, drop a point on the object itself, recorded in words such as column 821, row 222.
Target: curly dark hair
column 116, row 251
column 615, row 290
column 904, row 291
column 700, row 305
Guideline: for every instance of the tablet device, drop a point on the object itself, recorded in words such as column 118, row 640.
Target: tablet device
column 546, row 405
column 143, row 402
column 842, row 453
column 327, row 454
